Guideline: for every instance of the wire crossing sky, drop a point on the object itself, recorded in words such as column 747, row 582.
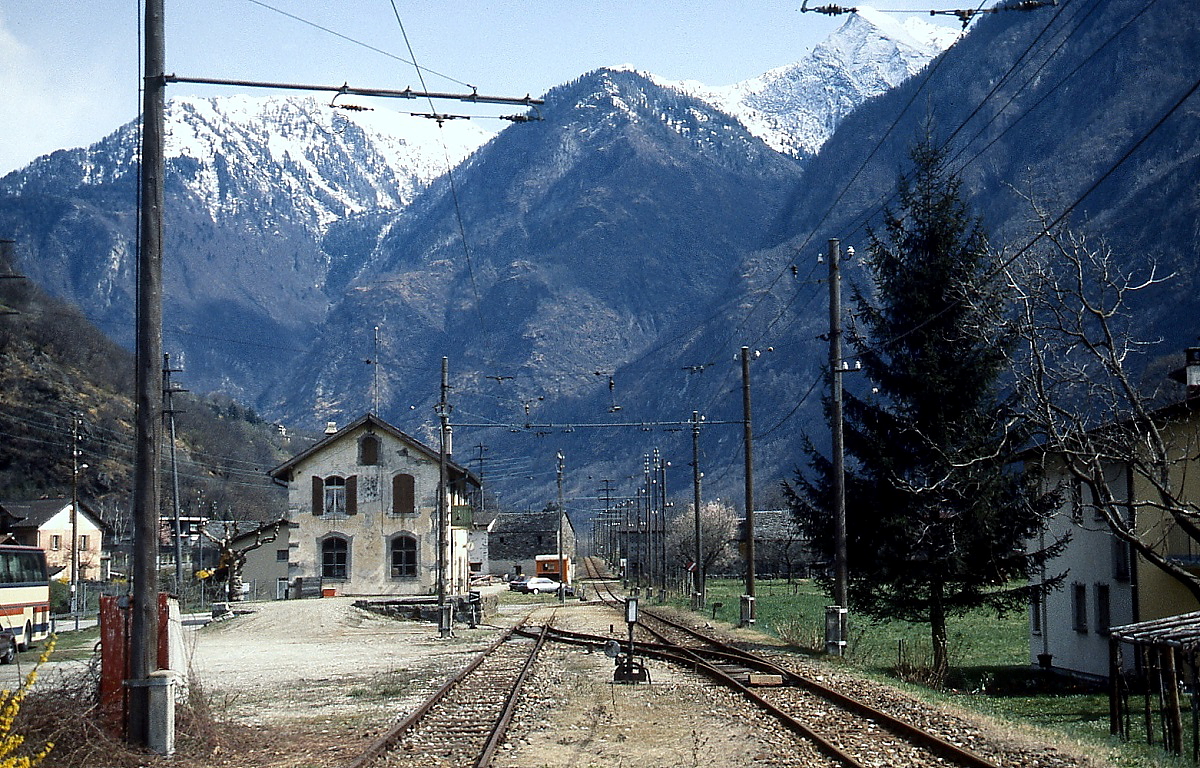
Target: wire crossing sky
column 69, row 68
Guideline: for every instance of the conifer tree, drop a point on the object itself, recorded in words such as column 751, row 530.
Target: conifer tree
column 938, row 512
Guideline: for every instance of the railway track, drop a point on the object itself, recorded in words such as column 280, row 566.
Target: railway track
column 849, row 731
column 813, row 724
column 464, row 722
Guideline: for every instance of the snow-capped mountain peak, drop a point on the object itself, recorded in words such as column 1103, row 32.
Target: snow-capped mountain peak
column 328, row 162
column 795, row 108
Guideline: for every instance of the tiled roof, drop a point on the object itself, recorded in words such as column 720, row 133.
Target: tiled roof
column 37, row 512
column 526, row 522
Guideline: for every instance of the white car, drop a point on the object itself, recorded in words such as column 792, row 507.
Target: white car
column 539, row 584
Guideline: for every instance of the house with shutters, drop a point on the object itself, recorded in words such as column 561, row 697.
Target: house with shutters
column 363, row 508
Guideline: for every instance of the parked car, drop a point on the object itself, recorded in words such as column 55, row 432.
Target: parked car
column 539, row 584
column 8, row 646
column 518, row 584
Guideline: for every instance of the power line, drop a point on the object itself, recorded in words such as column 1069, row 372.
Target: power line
column 359, row 43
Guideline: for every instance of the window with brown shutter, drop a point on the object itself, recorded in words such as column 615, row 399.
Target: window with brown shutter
column 352, row 494
column 404, row 495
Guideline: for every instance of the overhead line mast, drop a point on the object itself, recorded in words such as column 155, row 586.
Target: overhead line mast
column 346, row 90
column 148, row 395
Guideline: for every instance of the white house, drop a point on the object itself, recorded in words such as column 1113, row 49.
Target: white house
column 1107, row 583
column 363, row 503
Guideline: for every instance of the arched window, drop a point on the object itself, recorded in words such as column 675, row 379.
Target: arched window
column 335, row 558
column 368, row 449
column 404, row 495
column 404, row 556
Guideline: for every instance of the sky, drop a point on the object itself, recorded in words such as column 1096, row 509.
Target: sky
column 69, row 69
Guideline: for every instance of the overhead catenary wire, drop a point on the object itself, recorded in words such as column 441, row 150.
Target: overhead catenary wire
column 1067, row 211
column 359, row 43
column 926, row 77
column 453, row 185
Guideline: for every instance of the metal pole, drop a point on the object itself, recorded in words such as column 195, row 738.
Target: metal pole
column 74, row 518
column 662, row 529
column 841, row 577
column 444, row 417
column 169, row 395
column 697, row 575
column 747, row 436
column 655, row 519
column 562, row 575
column 148, row 396
column 644, row 550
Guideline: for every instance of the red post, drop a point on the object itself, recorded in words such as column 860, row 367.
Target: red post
column 114, row 663
column 114, row 658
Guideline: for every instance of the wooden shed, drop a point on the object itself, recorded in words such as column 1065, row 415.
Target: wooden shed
column 1157, row 660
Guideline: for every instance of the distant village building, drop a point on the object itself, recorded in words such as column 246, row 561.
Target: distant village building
column 269, row 568
column 781, row 550
column 517, row 538
column 46, row 523
column 363, row 504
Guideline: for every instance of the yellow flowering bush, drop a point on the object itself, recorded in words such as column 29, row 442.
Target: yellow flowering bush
column 10, row 706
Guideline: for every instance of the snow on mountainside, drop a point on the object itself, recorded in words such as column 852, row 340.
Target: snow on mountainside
column 795, row 108
column 325, row 163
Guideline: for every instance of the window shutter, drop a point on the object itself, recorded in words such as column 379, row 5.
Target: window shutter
column 318, row 497
column 352, row 494
column 403, row 495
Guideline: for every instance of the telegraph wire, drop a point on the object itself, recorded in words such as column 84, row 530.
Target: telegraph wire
column 859, row 224
column 458, row 216
column 1049, row 92
column 360, row 43
column 926, row 77
column 1005, row 263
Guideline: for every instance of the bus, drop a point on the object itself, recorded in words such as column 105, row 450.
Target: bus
column 24, row 599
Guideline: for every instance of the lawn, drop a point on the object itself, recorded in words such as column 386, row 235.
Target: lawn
column 989, row 657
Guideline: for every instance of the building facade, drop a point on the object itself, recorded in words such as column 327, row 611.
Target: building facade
column 363, row 504
column 1107, row 583
column 48, row 524
column 517, row 538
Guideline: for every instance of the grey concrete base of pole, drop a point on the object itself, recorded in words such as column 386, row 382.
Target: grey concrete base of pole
column 159, row 693
column 445, row 620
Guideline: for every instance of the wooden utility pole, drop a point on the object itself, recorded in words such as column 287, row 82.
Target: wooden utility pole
column 169, row 391
column 75, row 518
column 148, row 394
column 562, row 572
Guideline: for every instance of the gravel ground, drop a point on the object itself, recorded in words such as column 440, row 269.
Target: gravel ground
column 312, row 682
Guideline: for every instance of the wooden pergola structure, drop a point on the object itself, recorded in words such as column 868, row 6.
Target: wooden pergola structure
column 1164, row 670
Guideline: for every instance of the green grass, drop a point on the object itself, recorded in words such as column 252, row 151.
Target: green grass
column 989, row 657
column 70, row 646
